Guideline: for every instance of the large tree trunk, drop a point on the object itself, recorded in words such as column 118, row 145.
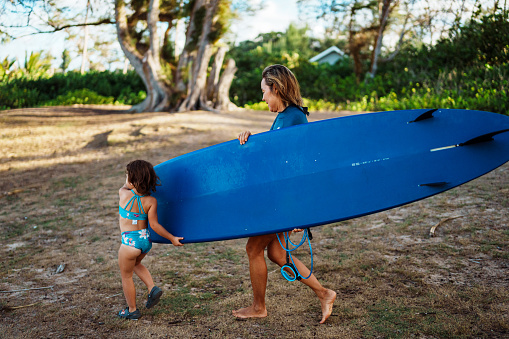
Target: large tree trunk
column 377, row 48
column 213, row 80
column 354, row 45
column 188, row 88
column 223, row 102
column 84, row 58
column 401, row 37
column 196, row 96
column 147, row 66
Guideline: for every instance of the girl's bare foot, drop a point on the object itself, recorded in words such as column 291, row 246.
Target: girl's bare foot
column 250, row 312
column 327, row 301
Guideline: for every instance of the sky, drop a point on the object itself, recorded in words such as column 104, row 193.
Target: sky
column 33, row 43
column 275, row 15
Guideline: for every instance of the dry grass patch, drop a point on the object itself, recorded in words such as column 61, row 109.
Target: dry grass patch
column 58, row 205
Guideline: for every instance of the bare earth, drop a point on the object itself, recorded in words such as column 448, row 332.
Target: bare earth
column 60, row 170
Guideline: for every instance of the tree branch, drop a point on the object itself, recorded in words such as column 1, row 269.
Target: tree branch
column 60, row 28
column 400, row 41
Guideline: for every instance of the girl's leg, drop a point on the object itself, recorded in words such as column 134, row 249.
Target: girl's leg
column 126, row 262
column 142, row 272
column 258, row 272
column 278, row 255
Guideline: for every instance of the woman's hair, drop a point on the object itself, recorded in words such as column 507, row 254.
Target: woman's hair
column 141, row 174
column 282, row 79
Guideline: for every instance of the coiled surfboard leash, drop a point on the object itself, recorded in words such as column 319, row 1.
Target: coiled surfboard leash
column 290, row 265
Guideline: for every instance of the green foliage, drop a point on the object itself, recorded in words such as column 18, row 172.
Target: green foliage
column 221, row 25
column 66, row 60
column 468, row 71
column 290, row 48
column 37, row 65
column 480, row 88
column 335, row 83
column 257, row 106
column 6, row 69
column 80, row 96
column 92, row 87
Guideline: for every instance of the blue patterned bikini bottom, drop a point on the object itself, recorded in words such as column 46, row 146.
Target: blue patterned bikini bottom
column 138, row 239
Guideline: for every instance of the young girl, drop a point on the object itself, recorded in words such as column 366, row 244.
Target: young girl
column 137, row 208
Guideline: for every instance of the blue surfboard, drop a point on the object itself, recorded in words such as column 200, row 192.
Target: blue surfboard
column 326, row 171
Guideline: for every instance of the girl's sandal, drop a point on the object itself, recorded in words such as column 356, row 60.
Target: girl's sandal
column 129, row 315
column 153, row 297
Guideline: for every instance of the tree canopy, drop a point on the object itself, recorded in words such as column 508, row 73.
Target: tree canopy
column 173, row 80
column 390, row 46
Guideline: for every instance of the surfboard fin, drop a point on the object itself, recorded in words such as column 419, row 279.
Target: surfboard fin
column 435, row 184
column 425, row 115
column 482, row 138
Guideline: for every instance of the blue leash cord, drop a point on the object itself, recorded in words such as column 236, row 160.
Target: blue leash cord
column 291, row 265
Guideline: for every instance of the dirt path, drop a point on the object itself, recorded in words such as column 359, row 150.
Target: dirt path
column 60, row 170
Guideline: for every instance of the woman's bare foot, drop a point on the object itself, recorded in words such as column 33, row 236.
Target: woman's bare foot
column 327, row 301
column 250, row 312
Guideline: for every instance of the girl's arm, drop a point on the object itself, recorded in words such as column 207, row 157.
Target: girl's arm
column 152, row 219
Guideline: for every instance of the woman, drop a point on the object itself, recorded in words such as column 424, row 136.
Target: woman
column 281, row 92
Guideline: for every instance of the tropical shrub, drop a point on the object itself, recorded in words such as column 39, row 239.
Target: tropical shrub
column 99, row 87
column 469, row 71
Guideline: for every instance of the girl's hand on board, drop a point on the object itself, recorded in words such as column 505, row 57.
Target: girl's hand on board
column 243, row 137
column 176, row 241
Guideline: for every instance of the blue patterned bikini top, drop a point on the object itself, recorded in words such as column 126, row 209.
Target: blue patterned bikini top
column 127, row 214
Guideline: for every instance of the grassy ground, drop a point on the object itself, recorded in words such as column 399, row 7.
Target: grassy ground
column 60, row 170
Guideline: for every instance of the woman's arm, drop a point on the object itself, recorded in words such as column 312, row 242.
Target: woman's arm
column 152, row 219
column 243, row 137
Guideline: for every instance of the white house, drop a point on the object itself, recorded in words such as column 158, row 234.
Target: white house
column 330, row 55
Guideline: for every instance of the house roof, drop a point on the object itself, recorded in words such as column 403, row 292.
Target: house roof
column 325, row 53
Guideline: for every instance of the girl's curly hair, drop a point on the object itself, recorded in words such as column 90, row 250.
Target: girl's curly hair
column 141, row 174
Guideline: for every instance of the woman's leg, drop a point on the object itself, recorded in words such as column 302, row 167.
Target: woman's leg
column 278, row 255
column 126, row 262
column 258, row 273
